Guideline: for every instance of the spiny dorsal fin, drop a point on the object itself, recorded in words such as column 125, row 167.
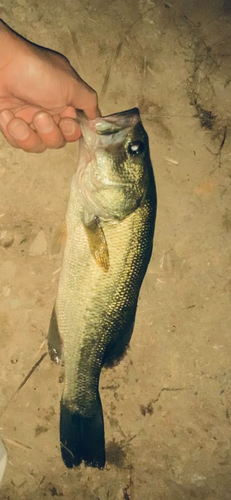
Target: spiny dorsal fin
column 97, row 243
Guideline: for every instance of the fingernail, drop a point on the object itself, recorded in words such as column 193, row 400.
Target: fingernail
column 68, row 127
column 19, row 130
column 5, row 117
column 44, row 123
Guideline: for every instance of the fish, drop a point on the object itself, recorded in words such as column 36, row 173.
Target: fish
column 108, row 234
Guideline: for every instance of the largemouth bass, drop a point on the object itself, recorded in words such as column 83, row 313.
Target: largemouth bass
column 109, row 236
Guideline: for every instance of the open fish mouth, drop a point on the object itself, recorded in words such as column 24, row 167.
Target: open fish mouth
column 110, row 124
column 106, row 134
column 113, row 124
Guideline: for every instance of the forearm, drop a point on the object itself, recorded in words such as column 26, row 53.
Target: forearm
column 10, row 40
column 4, row 30
column 1, row 26
column 7, row 43
column 12, row 48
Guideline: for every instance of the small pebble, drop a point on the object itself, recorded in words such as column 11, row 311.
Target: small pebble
column 6, row 239
column 14, row 361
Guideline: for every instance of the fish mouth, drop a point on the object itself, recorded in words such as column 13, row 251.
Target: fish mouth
column 110, row 124
column 99, row 134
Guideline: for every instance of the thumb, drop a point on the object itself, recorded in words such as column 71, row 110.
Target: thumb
column 84, row 97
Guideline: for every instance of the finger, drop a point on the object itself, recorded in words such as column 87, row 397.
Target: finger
column 85, row 98
column 27, row 113
column 92, row 111
column 70, row 129
column 56, row 118
column 49, row 133
column 90, row 105
column 24, row 137
column 5, row 117
column 68, row 112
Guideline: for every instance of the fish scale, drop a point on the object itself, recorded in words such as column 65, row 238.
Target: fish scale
column 104, row 263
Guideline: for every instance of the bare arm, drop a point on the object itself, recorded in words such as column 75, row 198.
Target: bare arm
column 39, row 95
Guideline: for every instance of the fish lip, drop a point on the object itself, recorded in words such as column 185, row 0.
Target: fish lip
column 121, row 120
column 122, row 114
column 99, row 128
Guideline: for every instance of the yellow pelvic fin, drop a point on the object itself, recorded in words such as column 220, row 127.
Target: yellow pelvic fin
column 97, row 243
column 59, row 239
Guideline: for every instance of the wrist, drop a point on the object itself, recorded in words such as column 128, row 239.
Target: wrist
column 1, row 25
column 5, row 43
column 10, row 44
column 4, row 28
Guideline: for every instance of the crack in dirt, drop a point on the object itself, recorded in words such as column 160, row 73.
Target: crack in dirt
column 168, row 389
column 148, row 409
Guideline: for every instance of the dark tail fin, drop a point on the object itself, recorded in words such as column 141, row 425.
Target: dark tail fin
column 82, row 438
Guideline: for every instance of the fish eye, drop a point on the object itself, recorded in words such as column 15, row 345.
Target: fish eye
column 135, row 148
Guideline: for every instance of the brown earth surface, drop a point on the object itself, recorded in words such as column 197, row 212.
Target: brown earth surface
column 167, row 406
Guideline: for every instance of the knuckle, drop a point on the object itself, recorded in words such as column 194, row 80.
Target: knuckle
column 40, row 150
column 36, row 148
column 57, row 145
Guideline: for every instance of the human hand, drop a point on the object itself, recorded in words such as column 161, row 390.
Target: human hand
column 39, row 95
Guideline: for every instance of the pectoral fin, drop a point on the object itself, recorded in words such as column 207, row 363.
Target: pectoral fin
column 97, row 243
column 59, row 239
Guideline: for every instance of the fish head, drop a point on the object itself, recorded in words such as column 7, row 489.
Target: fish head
column 114, row 164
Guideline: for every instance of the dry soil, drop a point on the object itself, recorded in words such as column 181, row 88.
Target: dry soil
column 167, row 406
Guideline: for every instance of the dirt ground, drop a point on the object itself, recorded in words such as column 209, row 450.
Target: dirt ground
column 167, row 406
